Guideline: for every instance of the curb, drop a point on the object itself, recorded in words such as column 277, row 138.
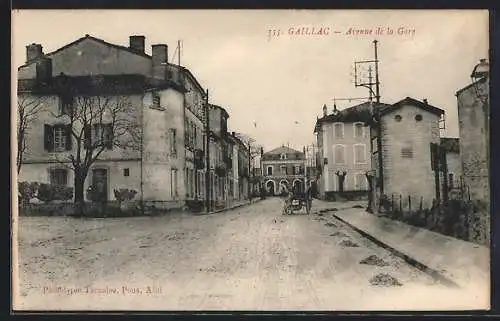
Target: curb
column 229, row 208
column 436, row 275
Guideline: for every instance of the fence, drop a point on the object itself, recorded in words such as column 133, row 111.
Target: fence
column 459, row 218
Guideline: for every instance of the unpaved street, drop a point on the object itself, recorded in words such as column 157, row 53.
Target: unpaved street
column 252, row 258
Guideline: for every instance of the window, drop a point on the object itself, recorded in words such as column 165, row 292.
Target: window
column 173, row 183
column 339, row 154
column 418, row 117
column 57, row 138
column 58, row 177
column 339, row 130
column 358, row 130
column 360, row 182
column 398, row 118
column 172, row 141
column 269, row 170
column 283, row 170
column 283, row 156
column 65, row 104
column 407, row 150
column 156, row 100
column 126, row 172
column 450, row 180
column 360, row 154
column 102, row 135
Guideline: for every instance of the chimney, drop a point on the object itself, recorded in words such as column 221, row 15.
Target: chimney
column 325, row 111
column 160, row 60
column 425, row 101
column 137, row 43
column 33, row 51
column 160, row 54
column 44, row 70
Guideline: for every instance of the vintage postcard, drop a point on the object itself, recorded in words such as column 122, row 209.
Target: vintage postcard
column 302, row 160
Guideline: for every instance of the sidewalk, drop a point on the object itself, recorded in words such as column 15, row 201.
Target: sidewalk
column 231, row 207
column 464, row 263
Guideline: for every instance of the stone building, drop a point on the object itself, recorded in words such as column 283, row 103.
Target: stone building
column 219, row 162
column 474, row 128
column 343, row 143
column 165, row 101
column 408, row 128
column 283, row 169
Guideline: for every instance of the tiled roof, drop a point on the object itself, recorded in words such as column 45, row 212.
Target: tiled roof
column 119, row 47
column 411, row 101
column 357, row 113
column 451, row 144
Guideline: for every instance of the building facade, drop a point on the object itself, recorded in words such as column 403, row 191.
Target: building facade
column 283, row 169
column 474, row 128
column 343, row 150
column 163, row 100
column 408, row 128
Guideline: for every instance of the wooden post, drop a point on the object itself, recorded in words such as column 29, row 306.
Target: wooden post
column 409, row 203
column 392, row 202
column 421, row 203
column 401, row 203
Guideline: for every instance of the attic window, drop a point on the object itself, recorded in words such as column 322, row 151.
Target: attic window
column 398, row 118
column 418, row 117
column 283, row 156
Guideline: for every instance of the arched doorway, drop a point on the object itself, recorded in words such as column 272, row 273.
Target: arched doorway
column 284, row 186
column 270, row 188
column 298, row 186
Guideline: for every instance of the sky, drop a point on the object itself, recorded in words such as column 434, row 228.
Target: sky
column 274, row 88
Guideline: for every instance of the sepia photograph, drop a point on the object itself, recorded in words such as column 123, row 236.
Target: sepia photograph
column 250, row 160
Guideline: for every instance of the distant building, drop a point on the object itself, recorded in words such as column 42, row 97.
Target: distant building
column 454, row 171
column 343, row 143
column 283, row 169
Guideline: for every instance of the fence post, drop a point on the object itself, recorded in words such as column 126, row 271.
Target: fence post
column 409, row 203
column 392, row 202
column 401, row 203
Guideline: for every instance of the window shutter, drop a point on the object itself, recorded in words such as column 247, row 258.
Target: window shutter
column 69, row 138
column 48, row 134
column 433, row 156
column 87, row 137
column 109, row 135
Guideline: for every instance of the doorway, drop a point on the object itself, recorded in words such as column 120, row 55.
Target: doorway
column 100, row 182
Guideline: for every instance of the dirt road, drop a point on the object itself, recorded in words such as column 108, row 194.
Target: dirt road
column 252, row 258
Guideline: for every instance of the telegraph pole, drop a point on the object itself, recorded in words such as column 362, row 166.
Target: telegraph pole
column 207, row 155
column 374, row 111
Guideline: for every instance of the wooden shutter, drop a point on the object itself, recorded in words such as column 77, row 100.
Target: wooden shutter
column 69, row 137
column 434, row 157
column 87, row 133
column 108, row 135
column 48, row 135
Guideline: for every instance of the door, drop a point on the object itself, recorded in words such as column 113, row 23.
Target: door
column 100, row 182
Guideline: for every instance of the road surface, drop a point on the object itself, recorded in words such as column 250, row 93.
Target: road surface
column 251, row 258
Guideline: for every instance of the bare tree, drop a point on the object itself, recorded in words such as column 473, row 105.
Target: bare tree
column 95, row 123
column 250, row 143
column 29, row 106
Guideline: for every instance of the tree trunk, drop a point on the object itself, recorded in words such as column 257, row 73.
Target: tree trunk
column 79, row 192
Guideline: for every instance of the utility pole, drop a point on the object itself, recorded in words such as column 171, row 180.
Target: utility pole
column 375, row 112
column 207, row 154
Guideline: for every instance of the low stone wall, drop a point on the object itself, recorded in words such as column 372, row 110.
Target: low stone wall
column 346, row 196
